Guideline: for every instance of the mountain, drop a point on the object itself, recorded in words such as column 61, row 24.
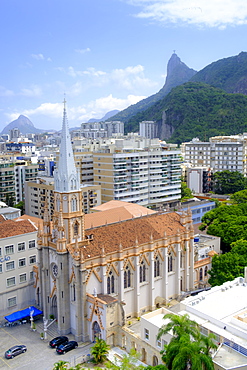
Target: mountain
column 23, row 124
column 195, row 109
column 229, row 74
column 177, row 74
column 107, row 116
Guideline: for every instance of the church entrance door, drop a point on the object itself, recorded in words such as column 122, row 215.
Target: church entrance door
column 54, row 306
column 96, row 331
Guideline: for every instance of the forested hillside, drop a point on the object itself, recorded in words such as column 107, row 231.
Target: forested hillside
column 195, row 110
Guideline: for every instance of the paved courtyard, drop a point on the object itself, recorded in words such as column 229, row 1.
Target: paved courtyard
column 39, row 355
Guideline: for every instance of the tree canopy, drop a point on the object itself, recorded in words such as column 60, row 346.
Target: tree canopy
column 228, row 266
column 228, row 182
column 228, row 222
column 188, row 348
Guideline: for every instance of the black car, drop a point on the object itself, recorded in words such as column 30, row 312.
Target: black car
column 55, row 342
column 14, row 351
column 66, row 347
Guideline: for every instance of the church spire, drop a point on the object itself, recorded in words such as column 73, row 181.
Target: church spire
column 66, row 176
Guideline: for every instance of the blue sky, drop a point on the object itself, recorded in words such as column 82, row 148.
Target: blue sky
column 104, row 54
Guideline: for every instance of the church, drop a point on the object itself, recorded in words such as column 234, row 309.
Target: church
column 93, row 280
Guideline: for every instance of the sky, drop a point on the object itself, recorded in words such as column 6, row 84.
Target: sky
column 103, row 55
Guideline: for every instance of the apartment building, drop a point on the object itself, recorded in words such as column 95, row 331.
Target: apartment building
column 101, row 129
column 219, row 154
column 41, row 190
column 148, row 129
column 12, row 178
column 18, row 256
column 149, row 177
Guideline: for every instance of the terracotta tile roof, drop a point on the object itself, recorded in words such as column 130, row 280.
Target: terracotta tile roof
column 115, row 211
column 127, row 232
column 135, row 209
column 13, row 228
column 35, row 220
column 106, row 298
column 2, row 218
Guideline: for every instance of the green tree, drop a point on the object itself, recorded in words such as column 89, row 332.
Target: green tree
column 239, row 197
column 100, row 351
column 60, row 365
column 228, row 222
column 228, row 266
column 188, row 349
column 227, row 182
column 186, row 193
column 20, row 206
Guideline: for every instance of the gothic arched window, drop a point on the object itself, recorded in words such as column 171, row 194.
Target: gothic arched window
column 127, row 278
column 201, row 274
column 156, row 267
column 142, row 272
column 206, row 271
column 73, row 204
column 170, row 264
column 110, row 283
column 76, row 228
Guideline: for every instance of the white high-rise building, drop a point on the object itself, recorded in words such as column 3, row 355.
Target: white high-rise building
column 220, row 153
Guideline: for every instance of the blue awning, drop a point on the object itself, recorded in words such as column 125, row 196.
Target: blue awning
column 18, row 315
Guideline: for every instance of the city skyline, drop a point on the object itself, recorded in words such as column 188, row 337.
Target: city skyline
column 104, row 55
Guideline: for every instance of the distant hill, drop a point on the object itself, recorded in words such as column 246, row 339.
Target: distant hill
column 196, row 109
column 107, row 116
column 229, row 74
column 23, row 124
column 177, row 74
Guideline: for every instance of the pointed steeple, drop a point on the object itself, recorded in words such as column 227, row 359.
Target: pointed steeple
column 66, row 176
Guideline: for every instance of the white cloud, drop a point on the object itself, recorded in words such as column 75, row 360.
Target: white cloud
column 94, row 109
column 130, row 78
column 34, row 91
column 201, row 13
column 6, row 92
column 82, row 51
column 46, row 109
column 38, row 56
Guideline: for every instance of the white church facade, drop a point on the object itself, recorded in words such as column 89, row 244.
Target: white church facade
column 95, row 280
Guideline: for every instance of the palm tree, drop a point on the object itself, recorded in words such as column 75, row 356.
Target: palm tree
column 100, row 351
column 188, row 349
column 178, row 325
column 60, row 365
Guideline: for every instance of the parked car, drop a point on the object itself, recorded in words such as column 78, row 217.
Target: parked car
column 66, row 347
column 14, row 351
column 55, row 342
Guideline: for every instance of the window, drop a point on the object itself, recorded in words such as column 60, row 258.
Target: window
column 22, row 262
column 31, row 244
column 9, row 249
column 201, row 274
column 127, row 278
column 11, row 301
column 76, row 228
column 1, row 267
column 31, row 275
column 23, row 278
column 159, row 343
column 32, row 259
column 170, row 265
column 21, row 247
column 142, row 272
column 10, row 281
column 206, row 271
column 110, row 283
column 0, row 251
column 156, row 267
column 10, row 265
column 146, row 334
